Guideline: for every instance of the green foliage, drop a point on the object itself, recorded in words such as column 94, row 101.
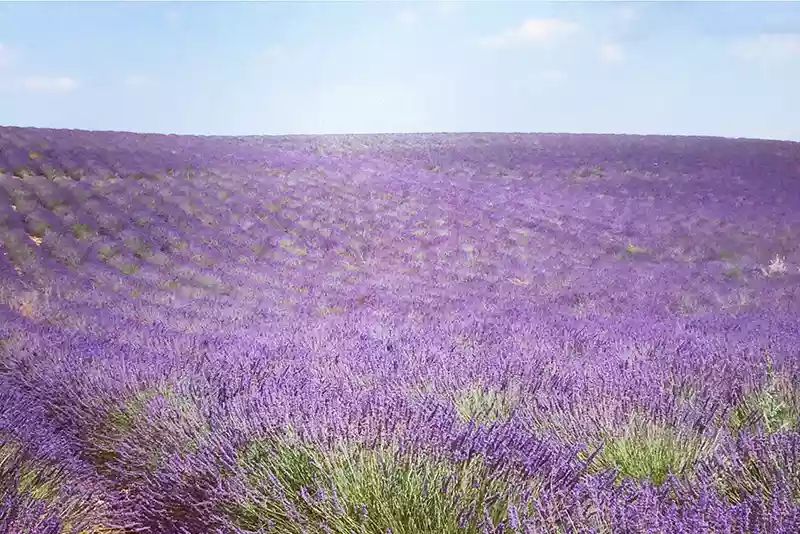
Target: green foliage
column 142, row 251
column 594, row 171
column 106, row 252
column 630, row 248
column 37, row 228
column 68, row 256
column 39, row 481
column 82, row 231
column 45, row 482
column 411, row 492
column 288, row 245
column 645, row 450
column 173, row 283
column 486, row 405
column 20, row 254
column 22, row 172
column 50, row 172
column 53, row 203
column 737, row 475
column 75, row 174
column 122, row 420
column 128, row 268
column 733, row 271
column 775, row 405
column 272, row 207
column 9, row 449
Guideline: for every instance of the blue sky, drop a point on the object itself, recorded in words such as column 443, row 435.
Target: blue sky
column 730, row 69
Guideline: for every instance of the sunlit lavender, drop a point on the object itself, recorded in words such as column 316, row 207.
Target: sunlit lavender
column 406, row 334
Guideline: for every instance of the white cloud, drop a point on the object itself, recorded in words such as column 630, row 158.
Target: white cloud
column 58, row 84
column 408, row 18
column 532, row 30
column 768, row 47
column 611, row 53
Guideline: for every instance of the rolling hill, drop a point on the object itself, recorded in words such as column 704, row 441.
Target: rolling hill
column 406, row 333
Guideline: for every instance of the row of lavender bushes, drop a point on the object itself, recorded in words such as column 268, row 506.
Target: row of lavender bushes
column 406, row 334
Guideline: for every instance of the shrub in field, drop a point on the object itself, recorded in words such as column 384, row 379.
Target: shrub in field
column 37, row 227
column 646, row 451
column 757, row 465
column 82, row 231
column 75, row 173
column 22, row 172
column 35, row 482
column 65, row 251
column 485, row 405
column 127, row 427
column 19, row 250
column 106, row 252
column 43, row 489
column 50, row 172
column 30, row 303
column 348, row 488
column 128, row 268
column 774, row 405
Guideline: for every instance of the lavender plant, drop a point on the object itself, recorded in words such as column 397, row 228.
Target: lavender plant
column 405, row 333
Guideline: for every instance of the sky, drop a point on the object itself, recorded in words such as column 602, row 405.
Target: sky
column 727, row 69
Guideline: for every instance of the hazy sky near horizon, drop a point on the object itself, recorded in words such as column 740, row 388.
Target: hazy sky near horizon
column 689, row 68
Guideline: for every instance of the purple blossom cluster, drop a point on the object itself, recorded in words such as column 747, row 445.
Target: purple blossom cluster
column 406, row 334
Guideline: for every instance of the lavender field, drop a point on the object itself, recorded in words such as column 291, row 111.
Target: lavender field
column 406, row 334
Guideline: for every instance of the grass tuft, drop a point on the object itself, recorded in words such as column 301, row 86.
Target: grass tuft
column 644, row 450
column 128, row 268
column 774, row 406
column 22, row 172
column 630, row 248
column 123, row 420
column 354, row 489
column 82, row 231
column 485, row 405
